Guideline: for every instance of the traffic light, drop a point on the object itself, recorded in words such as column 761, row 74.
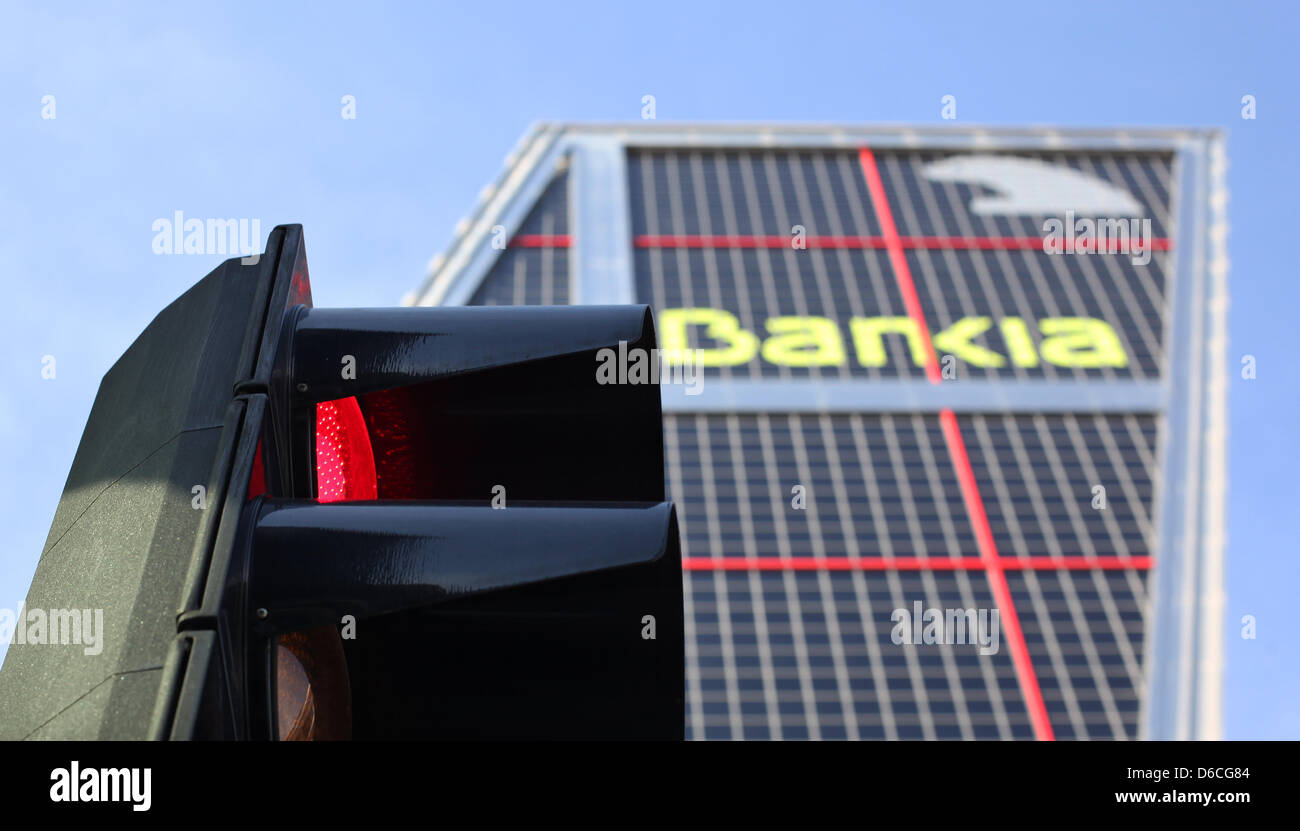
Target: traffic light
column 360, row 523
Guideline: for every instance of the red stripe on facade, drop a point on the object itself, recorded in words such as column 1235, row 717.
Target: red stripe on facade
column 929, row 243
column 1025, row 673
column 912, row 563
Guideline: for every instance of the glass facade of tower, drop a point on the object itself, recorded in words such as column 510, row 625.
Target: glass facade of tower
column 948, row 379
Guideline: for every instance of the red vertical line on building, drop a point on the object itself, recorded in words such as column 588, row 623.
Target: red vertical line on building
column 960, row 459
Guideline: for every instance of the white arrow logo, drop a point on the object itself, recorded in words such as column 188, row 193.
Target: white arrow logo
column 1028, row 186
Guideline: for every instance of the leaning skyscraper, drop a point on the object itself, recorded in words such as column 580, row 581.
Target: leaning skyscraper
column 955, row 466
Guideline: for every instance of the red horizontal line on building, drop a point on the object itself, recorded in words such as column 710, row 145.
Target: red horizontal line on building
column 541, row 241
column 848, row 242
column 859, row 242
column 911, row 563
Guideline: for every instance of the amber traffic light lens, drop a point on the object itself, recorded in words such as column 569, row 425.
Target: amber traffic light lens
column 313, row 701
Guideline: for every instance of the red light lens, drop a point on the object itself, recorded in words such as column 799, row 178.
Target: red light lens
column 345, row 462
column 257, row 480
column 401, row 466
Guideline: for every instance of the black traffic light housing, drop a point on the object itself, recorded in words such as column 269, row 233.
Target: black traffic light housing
column 488, row 530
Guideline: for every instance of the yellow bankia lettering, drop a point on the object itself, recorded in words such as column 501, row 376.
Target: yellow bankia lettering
column 869, row 338
column 805, row 341
column 956, row 341
column 741, row 344
column 1020, row 346
column 1083, row 342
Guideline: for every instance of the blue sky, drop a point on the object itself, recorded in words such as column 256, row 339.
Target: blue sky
column 236, row 113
